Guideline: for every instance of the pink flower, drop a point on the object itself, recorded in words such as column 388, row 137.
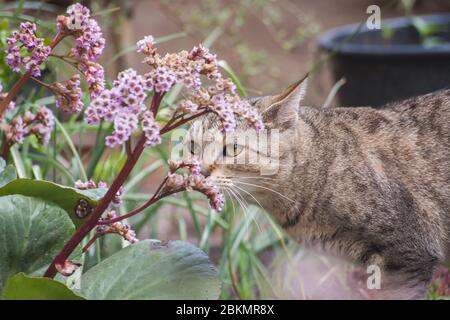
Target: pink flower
column 200, row 183
column 163, row 79
column 95, row 77
column 151, row 129
column 18, row 130
column 120, row 228
column 124, row 105
column 187, row 106
column 68, row 94
column 35, row 52
column 90, row 41
column 145, row 45
column 90, row 184
column 209, row 61
column 89, row 44
column 124, row 126
column 195, row 181
column 193, row 166
column 43, row 129
column 41, row 125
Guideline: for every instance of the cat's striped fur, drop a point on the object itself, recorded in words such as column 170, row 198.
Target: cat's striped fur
column 371, row 184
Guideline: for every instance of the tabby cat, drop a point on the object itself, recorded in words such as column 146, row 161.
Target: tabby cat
column 371, row 185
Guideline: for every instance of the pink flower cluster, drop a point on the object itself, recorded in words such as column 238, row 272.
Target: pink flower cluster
column 193, row 166
column 89, row 44
column 68, row 94
column 90, row 41
column 25, row 50
column 222, row 99
column 145, row 45
column 183, row 67
column 211, row 191
column 120, row 228
column 45, row 123
column 186, row 68
column 440, row 285
column 124, row 105
column 195, row 181
column 90, row 184
column 39, row 124
column 151, row 129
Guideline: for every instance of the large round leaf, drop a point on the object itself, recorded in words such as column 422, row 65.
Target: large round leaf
column 65, row 197
column 151, row 269
column 23, row 287
column 32, row 231
column 7, row 173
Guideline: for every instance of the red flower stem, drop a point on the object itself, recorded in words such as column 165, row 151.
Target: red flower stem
column 96, row 214
column 19, row 84
column 93, row 219
column 169, row 127
column 41, row 83
column 128, row 147
column 156, row 101
column 5, row 148
column 152, row 200
column 14, row 91
column 92, row 240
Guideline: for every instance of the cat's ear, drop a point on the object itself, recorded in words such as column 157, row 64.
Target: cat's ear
column 282, row 109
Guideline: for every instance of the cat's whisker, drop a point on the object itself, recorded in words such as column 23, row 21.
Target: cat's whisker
column 253, row 217
column 231, row 199
column 243, row 190
column 266, row 188
column 262, row 178
column 259, row 204
column 241, row 203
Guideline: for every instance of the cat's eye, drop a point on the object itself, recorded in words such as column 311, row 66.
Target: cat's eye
column 232, row 150
column 194, row 148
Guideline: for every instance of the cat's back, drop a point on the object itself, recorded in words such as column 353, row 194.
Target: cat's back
column 419, row 123
column 410, row 136
column 399, row 152
column 428, row 113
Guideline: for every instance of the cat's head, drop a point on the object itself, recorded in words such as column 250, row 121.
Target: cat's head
column 247, row 164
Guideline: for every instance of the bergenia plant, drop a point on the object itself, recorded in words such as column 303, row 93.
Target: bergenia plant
column 131, row 104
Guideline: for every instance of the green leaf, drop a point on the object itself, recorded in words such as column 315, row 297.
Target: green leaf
column 65, row 197
column 7, row 173
column 424, row 28
column 230, row 73
column 151, row 269
column 23, row 287
column 32, row 231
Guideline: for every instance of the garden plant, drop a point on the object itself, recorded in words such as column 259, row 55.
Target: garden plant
column 54, row 212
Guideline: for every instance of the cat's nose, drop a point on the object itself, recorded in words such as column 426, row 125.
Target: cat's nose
column 205, row 172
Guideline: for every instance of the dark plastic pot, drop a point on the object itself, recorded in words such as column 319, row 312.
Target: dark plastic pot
column 379, row 70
